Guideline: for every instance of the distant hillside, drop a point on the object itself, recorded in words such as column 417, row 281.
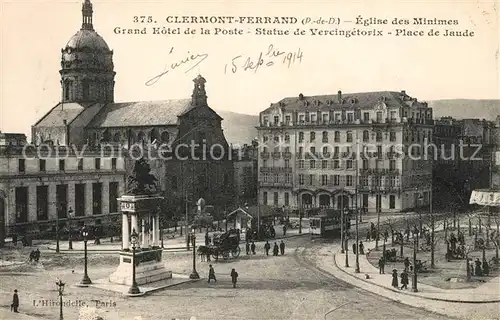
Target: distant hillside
column 466, row 108
column 239, row 128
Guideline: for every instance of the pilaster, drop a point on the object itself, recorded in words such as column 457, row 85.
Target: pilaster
column 52, row 202
column 89, row 204
column 105, row 197
column 71, row 196
column 32, row 208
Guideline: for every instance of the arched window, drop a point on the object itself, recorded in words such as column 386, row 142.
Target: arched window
column 105, row 135
column 153, row 135
column 165, row 137
column 325, row 136
column 313, row 136
column 287, row 137
column 66, row 90
column 85, row 90
column 140, row 137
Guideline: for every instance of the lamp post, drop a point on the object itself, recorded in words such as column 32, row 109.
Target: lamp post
column 86, row 279
column 194, row 274
column 134, row 238
column 60, row 288
column 346, row 239
column 70, row 240
column 414, row 282
column 57, row 227
column 356, row 270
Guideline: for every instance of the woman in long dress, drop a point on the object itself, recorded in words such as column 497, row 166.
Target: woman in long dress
column 395, row 278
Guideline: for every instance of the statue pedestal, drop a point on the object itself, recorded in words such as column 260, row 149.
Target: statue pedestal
column 144, row 221
column 149, row 267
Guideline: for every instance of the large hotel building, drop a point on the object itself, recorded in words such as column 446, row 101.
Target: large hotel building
column 322, row 151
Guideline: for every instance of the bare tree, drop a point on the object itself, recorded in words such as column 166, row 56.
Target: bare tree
column 468, row 249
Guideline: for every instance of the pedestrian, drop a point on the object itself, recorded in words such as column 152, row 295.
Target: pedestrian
column 247, row 248
column 361, row 248
column 368, row 236
column 386, row 235
column 15, row 302
column 395, row 278
column 211, row 274
column 282, row 247
column 381, row 265
column 478, row 269
column 275, row 249
column 407, row 264
column 37, row 255
column 207, row 238
column 267, row 247
column 486, row 268
column 252, row 247
column 284, row 230
column 354, row 248
column 404, row 280
column 234, row 277
column 14, row 239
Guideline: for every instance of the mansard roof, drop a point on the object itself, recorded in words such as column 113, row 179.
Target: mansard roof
column 141, row 113
column 349, row 100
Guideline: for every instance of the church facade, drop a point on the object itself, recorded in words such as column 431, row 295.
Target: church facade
column 97, row 133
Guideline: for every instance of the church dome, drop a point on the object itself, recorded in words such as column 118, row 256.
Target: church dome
column 87, row 39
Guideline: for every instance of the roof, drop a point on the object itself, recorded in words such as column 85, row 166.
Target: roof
column 62, row 111
column 332, row 101
column 239, row 211
column 87, row 39
column 141, row 113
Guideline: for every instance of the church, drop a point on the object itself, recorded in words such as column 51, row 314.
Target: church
column 88, row 119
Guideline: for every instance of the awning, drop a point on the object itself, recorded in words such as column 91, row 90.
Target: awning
column 485, row 197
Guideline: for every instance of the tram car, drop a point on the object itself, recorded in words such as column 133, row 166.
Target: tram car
column 328, row 224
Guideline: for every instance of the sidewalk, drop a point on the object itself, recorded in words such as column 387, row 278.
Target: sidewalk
column 177, row 243
column 486, row 293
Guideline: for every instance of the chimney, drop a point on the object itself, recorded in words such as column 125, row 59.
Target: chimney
column 340, row 96
column 301, row 96
column 403, row 93
column 65, row 122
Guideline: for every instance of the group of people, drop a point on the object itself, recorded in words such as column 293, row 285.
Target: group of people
column 35, row 255
column 211, row 275
column 267, row 247
column 404, row 279
column 479, row 269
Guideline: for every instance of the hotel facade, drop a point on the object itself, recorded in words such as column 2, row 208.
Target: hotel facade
column 345, row 150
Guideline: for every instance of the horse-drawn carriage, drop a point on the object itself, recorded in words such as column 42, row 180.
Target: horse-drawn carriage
column 225, row 244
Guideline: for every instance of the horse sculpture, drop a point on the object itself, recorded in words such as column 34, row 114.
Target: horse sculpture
column 141, row 181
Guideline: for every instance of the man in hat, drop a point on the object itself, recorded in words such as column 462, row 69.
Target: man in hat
column 15, row 302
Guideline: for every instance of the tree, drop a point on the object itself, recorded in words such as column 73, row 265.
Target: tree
column 468, row 249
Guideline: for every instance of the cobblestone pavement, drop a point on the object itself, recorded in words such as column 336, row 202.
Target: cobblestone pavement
column 284, row 287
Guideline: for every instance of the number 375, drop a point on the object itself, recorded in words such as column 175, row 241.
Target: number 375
column 143, row 19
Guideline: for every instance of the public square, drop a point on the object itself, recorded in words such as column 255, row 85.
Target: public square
column 302, row 284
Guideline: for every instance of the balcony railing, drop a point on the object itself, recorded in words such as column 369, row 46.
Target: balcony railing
column 276, row 155
column 275, row 184
column 275, row 169
column 378, row 172
column 264, row 155
column 287, row 155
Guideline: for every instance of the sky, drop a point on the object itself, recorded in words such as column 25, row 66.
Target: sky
column 427, row 67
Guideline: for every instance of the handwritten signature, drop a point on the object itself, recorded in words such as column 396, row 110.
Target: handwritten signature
column 191, row 61
column 264, row 59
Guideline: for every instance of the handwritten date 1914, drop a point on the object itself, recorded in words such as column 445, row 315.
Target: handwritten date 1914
column 267, row 58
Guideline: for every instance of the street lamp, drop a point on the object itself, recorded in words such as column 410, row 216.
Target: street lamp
column 358, row 212
column 86, row 279
column 421, row 200
column 134, row 239
column 414, row 282
column 60, row 288
column 194, row 274
column 57, row 227
column 346, row 239
column 70, row 240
